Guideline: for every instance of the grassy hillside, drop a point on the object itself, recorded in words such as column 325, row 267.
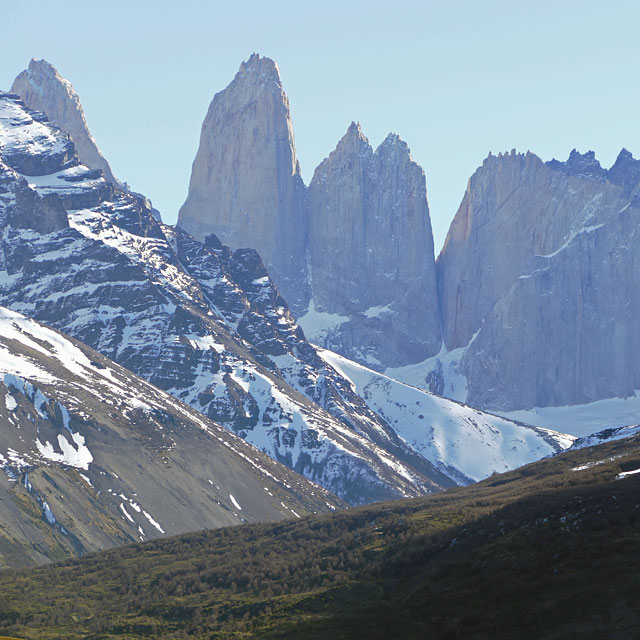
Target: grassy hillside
column 548, row 551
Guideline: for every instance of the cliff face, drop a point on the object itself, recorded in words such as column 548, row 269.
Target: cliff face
column 41, row 88
column 371, row 254
column 245, row 184
column 540, row 265
column 353, row 256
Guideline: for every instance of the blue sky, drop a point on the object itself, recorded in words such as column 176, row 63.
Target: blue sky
column 455, row 80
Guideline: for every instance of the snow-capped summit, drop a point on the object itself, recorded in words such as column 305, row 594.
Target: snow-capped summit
column 42, row 88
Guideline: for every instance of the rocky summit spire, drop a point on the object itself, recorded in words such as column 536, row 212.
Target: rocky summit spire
column 371, row 255
column 42, row 88
column 245, row 183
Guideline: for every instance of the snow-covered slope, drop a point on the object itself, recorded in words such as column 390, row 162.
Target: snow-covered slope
column 195, row 319
column 583, row 419
column 466, row 444
column 92, row 456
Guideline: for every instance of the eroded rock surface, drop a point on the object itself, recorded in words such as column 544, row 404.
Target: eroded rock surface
column 540, row 265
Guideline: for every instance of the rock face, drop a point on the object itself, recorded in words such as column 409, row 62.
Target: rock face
column 245, row 184
column 42, row 88
column 540, row 265
column 371, row 255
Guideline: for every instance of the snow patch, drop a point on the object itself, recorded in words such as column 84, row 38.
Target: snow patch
column 445, row 364
column 79, row 457
column 48, row 514
column 318, row 324
column 626, row 474
column 376, row 312
column 152, row 521
column 86, row 479
column 10, row 402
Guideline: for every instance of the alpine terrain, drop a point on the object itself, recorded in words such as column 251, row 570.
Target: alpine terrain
column 529, row 305
column 209, row 326
column 42, row 88
column 538, row 274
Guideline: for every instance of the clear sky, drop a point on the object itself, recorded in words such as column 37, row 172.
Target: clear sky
column 454, row 79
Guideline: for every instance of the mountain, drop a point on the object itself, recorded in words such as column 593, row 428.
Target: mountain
column 246, row 183
column 42, row 88
column 199, row 321
column 537, row 277
column 94, row 457
column 352, row 255
column 371, row 255
column 607, row 435
column 548, row 551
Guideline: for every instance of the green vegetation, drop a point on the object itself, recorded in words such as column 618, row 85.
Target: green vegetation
column 541, row 552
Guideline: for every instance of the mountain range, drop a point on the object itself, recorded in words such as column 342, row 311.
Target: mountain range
column 94, row 457
column 314, row 323
column 530, row 303
column 205, row 324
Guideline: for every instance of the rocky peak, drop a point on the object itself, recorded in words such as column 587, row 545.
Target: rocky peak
column 353, row 150
column 261, row 68
column 42, row 88
column 369, row 235
column 393, row 144
column 533, row 273
column 245, row 183
column 584, row 165
column 42, row 68
column 357, row 237
column 625, row 171
column 354, row 138
column 490, row 185
column 394, row 155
